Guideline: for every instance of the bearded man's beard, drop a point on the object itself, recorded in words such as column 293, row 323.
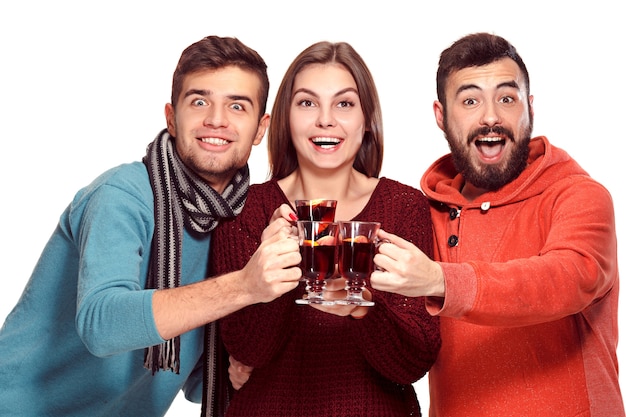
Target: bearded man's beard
column 491, row 177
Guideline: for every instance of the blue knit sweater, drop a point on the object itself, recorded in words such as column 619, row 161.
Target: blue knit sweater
column 74, row 343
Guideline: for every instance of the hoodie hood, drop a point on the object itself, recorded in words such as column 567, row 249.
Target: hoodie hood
column 546, row 165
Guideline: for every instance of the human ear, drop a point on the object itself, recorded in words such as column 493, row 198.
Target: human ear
column 170, row 118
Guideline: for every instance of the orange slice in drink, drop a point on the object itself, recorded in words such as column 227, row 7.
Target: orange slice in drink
column 309, row 243
column 326, row 240
column 357, row 239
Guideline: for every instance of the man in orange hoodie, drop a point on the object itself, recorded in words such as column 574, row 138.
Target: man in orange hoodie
column 525, row 277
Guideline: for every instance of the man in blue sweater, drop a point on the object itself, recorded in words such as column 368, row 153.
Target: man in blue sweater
column 111, row 321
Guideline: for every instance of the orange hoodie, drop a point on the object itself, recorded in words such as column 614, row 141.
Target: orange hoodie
column 529, row 320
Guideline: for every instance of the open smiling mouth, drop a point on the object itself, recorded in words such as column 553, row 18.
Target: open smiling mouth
column 326, row 143
column 491, row 146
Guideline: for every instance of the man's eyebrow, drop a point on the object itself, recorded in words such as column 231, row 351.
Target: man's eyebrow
column 198, row 92
column 512, row 84
column 465, row 87
column 235, row 97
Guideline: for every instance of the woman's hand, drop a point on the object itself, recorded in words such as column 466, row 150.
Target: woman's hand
column 238, row 372
column 283, row 218
column 336, row 290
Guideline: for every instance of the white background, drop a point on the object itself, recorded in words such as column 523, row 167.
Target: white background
column 83, row 86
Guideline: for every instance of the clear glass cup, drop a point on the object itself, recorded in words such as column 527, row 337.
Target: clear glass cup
column 319, row 209
column 357, row 247
column 318, row 247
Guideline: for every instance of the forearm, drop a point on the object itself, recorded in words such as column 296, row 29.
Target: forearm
column 178, row 310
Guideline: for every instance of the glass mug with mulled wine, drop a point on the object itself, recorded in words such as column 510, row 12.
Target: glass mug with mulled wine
column 358, row 243
column 319, row 209
column 318, row 248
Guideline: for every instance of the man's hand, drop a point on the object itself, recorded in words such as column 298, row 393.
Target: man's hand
column 406, row 270
column 274, row 268
column 272, row 271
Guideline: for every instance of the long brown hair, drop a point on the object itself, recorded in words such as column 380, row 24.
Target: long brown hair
column 282, row 153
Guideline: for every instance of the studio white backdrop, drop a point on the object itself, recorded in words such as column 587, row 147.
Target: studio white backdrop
column 83, row 87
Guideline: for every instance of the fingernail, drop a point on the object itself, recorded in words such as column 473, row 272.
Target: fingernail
column 293, row 217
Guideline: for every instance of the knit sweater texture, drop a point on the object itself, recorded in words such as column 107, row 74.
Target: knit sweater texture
column 529, row 320
column 74, row 343
column 310, row 363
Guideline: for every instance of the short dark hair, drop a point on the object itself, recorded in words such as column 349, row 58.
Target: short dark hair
column 214, row 52
column 475, row 50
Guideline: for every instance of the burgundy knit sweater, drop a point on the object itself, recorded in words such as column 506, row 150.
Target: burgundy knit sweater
column 310, row 363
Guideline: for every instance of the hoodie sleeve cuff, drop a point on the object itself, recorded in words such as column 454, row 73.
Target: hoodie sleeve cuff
column 460, row 292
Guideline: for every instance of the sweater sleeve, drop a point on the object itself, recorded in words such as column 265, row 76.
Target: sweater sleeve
column 398, row 337
column 566, row 262
column 112, row 231
column 254, row 334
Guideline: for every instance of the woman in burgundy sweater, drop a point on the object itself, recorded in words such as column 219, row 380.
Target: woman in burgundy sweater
column 326, row 140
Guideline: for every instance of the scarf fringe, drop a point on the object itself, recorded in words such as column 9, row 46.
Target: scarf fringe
column 163, row 356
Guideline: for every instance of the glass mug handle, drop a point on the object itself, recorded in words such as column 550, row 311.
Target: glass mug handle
column 377, row 243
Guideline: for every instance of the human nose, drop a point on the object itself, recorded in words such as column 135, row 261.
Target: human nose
column 325, row 118
column 491, row 115
column 215, row 117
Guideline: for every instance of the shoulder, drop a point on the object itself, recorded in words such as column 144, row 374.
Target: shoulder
column 132, row 174
column 401, row 194
column 261, row 201
column 265, row 188
column 127, row 181
column 268, row 195
column 391, row 183
column 397, row 202
column 402, row 210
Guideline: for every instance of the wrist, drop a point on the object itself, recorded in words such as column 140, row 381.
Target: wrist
column 439, row 281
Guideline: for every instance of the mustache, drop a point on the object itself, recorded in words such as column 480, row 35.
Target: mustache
column 486, row 130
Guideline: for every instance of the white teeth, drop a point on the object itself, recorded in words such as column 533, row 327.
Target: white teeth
column 327, row 141
column 214, row 141
column 490, row 139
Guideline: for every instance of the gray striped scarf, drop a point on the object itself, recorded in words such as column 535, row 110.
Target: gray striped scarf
column 181, row 199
